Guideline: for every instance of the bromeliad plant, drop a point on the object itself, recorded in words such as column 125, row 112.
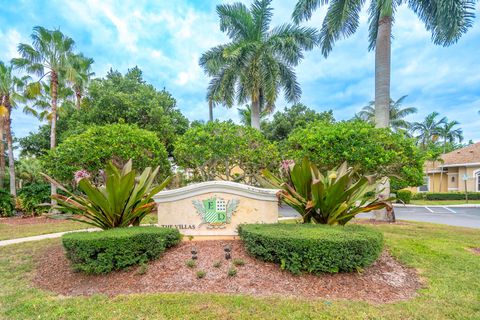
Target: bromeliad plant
column 124, row 200
column 331, row 199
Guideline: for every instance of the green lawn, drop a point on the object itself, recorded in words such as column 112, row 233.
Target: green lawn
column 450, row 273
column 442, row 202
column 26, row 230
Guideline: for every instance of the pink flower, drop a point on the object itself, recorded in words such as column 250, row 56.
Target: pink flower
column 287, row 164
column 81, row 174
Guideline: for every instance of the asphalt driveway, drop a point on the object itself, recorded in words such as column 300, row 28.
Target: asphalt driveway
column 451, row 215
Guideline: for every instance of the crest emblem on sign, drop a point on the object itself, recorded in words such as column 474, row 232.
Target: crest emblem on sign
column 216, row 212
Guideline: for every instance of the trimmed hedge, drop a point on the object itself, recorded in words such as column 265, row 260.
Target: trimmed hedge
column 114, row 249
column 404, row 196
column 445, row 196
column 313, row 248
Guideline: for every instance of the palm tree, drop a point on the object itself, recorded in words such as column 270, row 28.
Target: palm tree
column 78, row 75
column 41, row 106
column 429, row 129
column 246, row 115
column 446, row 20
column 10, row 88
column 449, row 134
column 47, row 56
column 397, row 114
column 258, row 61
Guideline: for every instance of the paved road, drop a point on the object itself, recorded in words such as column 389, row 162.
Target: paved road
column 454, row 216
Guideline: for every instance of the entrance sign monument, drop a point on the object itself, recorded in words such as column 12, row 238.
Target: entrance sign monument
column 215, row 208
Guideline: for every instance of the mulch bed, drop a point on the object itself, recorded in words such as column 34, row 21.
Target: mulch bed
column 385, row 281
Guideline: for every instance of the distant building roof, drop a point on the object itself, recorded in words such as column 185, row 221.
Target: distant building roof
column 468, row 155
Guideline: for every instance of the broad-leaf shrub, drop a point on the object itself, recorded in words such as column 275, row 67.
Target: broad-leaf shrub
column 124, row 200
column 32, row 196
column 94, row 148
column 404, row 196
column 332, row 198
column 105, row 251
column 372, row 151
column 7, row 204
column 313, row 248
column 226, row 151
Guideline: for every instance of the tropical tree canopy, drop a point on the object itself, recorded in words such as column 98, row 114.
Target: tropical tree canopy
column 224, row 150
column 258, row 61
column 446, row 20
column 397, row 114
column 429, row 129
column 94, row 148
column 372, row 151
column 296, row 116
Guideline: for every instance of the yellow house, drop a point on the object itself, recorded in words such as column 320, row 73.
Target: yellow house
column 458, row 170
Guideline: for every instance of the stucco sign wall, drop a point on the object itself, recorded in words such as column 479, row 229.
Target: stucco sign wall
column 215, row 207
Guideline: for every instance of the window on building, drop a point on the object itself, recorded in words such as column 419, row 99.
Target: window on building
column 453, row 179
column 426, row 185
column 478, row 180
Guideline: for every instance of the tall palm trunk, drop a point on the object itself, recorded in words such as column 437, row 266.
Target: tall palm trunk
column 210, row 110
column 78, row 99
column 11, row 160
column 53, row 132
column 255, row 113
column 382, row 99
column 382, row 73
column 2, row 153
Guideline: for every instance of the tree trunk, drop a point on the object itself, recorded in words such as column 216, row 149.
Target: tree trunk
column 382, row 99
column 78, row 99
column 11, row 160
column 2, row 153
column 210, row 110
column 53, row 132
column 255, row 113
column 382, row 73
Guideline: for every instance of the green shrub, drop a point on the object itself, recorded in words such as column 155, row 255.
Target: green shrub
column 334, row 197
column 445, row 196
column 404, row 196
column 238, row 262
column 191, row 263
column 313, row 248
column 201, row 274
column 124, row 200
column 232, row 272
column 105, row 251
column 31, row 196
column 7, row 204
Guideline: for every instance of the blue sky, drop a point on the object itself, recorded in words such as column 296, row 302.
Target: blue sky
column 166, row 38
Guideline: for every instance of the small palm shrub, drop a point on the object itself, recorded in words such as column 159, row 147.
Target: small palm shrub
column 7, row 204
column 333, row 198
column 124, row 200
column 313, row 248
column 32, row 196
column 114, row 249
